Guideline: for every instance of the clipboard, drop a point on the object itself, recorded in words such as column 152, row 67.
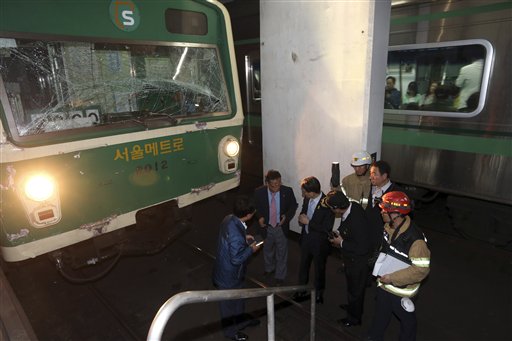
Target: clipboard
column 387, row 264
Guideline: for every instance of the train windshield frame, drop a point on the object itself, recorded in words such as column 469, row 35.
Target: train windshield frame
column 56, row 89
column 448, row 79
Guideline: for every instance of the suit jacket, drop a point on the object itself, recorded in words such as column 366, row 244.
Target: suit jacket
column 288, row 206
column 374, row 218
column 321, row 222
column 232, row 254
column 356, row 233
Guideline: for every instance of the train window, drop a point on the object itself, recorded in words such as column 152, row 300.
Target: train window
column 186, row 22
column 54, row 86
column 438, row 79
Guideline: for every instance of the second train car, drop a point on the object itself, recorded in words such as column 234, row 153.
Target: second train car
column 452, row 131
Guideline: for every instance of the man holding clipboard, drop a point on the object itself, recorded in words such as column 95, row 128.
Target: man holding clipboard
column 403, row 263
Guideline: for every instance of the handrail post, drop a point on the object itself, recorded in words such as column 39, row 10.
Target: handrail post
column 270, row 318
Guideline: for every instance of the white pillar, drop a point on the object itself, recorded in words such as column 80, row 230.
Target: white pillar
column 323, row 67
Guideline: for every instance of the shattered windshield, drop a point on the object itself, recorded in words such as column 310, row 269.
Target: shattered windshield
column 60, row 85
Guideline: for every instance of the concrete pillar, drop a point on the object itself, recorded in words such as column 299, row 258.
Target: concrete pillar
column 323, row 67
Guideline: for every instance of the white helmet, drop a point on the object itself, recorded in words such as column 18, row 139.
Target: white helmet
column 361, row 158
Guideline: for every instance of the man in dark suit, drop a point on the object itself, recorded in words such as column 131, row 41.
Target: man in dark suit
column 380, row 172
column 316, row 221
column 234, row 247
column 275, row 207
column 353, row 237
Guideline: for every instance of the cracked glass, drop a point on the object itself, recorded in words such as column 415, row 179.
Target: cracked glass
column 50, row 86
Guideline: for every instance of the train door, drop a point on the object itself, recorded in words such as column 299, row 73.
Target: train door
column 252, row 161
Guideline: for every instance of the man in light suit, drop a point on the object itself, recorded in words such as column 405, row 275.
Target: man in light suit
column 316, row 221
column 275, row 207
column 234, row 248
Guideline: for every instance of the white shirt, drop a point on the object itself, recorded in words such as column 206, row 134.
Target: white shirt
column 347, row 212
column 377, row 192
column 469, row 80
column 311, row 208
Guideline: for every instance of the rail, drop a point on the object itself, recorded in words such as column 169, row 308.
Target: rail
column 172, row 304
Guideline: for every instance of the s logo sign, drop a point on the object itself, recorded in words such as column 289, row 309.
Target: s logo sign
column 125, row 15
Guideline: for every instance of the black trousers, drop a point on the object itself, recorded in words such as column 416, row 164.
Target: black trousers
column 388, row 305
column 356, row 272
column 312, row 249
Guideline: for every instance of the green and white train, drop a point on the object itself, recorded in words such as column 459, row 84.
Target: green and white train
column 112, row 111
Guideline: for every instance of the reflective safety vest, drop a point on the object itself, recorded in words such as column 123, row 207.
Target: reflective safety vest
column 399, row 249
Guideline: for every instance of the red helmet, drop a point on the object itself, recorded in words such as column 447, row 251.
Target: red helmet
column 395, row 202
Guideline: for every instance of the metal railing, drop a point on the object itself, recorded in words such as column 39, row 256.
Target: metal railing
column 172, row 304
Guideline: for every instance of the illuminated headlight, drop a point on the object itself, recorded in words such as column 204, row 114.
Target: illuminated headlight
column 39, row 188
column 231, row 147
column 39, row 195
column 229, row 150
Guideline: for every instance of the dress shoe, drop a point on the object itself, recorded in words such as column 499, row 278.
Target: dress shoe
column 319, row 299
column 348, row 322
column 300, row 296
column 344, row 306
column 239, row 336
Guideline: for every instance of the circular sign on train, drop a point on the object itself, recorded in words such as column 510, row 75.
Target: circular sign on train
column 125, row 15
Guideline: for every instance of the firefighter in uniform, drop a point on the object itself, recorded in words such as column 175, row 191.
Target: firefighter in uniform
column 403, row 263
column 356, row 186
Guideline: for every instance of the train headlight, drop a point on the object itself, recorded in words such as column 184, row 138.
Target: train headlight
column 229, row 150
column 39, row 194
column 39, row 188
column 232, row 147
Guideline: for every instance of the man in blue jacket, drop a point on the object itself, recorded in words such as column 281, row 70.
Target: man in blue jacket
column 234, row 248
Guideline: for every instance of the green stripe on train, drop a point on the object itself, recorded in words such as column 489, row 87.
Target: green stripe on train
column 455, row 13
column 460, row 143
